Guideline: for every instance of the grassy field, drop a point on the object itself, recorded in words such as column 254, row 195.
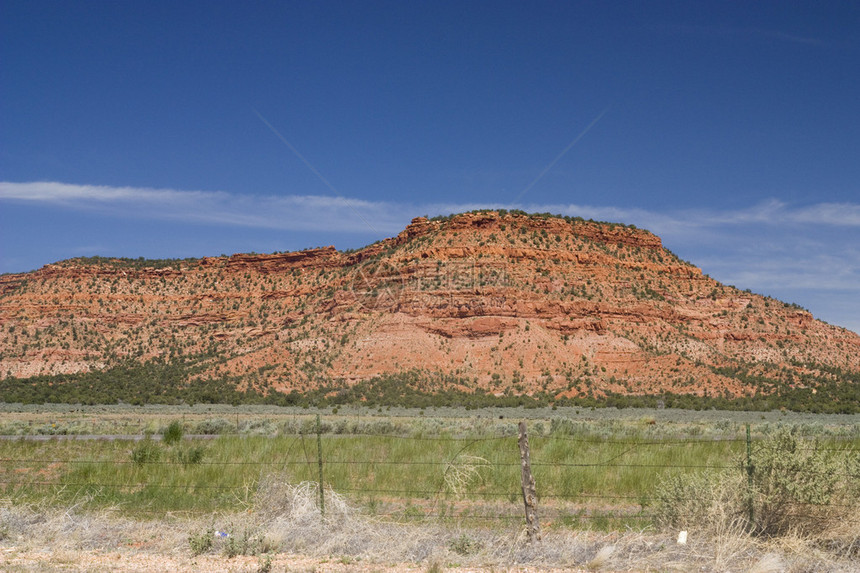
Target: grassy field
column 593, row 468
column 435, row 486
column 366, row 468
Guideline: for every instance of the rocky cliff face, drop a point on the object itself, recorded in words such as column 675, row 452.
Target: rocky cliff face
column 507, row 302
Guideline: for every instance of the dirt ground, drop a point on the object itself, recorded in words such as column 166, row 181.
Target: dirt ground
column 13, row 560
column 42, row 539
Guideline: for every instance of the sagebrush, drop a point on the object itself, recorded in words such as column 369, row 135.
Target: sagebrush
column 788, row 486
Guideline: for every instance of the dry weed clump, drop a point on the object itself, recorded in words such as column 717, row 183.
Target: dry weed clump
column 601, row 559
column 293, row 521
column 463, row 472
column 44, row 527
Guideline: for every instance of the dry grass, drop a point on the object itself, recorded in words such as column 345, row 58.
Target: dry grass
column 600, row 560
column 286, row 519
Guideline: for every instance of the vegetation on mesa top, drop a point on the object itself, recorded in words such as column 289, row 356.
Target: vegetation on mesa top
column 129, row 263
column 504, row 212
column 141, row 263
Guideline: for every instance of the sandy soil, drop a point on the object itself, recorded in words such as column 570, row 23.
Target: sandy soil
column 13, row 560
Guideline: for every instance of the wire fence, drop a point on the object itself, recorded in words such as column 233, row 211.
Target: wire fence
column 580, row 480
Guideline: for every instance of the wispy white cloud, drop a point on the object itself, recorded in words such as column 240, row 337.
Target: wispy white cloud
column 321, row 213
column 772, row 213
column 787, row 269
column 793, row 38
column 80, row 195
column 845, row 214
column 745, row 33
column 288, row 212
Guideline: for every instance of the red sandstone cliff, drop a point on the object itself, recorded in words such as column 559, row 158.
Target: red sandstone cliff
column 510, row 301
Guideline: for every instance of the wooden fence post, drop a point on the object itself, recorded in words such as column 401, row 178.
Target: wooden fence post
column 320, row 462
column 750, row 471
column 529, row 490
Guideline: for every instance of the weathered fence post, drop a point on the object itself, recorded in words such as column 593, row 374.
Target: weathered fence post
column 750, row 470
column 529, row 490
column 320, row 462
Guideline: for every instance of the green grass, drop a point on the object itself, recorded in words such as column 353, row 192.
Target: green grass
column 602, row 475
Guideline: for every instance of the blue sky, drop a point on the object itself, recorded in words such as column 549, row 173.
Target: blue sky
column 179, row 129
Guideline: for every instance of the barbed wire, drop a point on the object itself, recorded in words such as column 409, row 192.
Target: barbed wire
column 360, row 490
column 601, row 441
column 149, row 462
column 595, row 440
column 379, row 462
column 418, row 438
column 137, row 485
column 444, row 492
column 608, row 465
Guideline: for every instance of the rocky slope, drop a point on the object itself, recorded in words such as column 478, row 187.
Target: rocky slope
column 506, row 302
